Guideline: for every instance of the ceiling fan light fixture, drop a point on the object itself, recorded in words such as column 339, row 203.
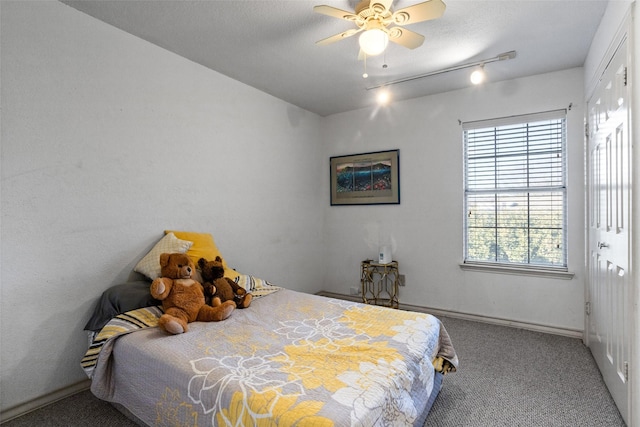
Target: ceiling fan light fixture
column 373, row 42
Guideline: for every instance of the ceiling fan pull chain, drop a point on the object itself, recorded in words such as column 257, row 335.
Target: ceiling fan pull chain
column 365, row 75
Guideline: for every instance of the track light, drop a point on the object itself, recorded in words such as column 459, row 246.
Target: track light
column 478, row 75
column 383, row 97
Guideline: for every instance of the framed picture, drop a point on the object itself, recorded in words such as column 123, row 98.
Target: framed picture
column 366, row 179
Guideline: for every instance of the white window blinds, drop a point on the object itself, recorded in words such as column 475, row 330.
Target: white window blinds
column 515, row 190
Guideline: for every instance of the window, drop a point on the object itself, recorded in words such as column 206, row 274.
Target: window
column 515, row 193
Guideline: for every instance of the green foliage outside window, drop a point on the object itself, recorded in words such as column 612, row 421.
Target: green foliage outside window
column 511, row 234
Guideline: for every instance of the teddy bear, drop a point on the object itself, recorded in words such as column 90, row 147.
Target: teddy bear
column 221, row 289
column 183, row 297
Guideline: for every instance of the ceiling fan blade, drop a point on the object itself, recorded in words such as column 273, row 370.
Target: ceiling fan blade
column 424, row 11
column 338, row 37
column 406, row 38
column 335, row 12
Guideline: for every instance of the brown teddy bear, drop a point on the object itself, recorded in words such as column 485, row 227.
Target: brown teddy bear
column 182, row 297
column 219, row 288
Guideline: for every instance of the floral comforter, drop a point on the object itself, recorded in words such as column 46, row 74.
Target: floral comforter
column 289, row 359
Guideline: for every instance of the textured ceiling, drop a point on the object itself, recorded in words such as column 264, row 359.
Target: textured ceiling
column 270, row 45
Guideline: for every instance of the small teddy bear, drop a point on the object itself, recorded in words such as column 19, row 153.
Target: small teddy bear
column 222, row 289
column 182, row 297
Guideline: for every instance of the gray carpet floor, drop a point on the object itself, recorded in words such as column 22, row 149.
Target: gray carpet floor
column 512, row 377
column 507, row 377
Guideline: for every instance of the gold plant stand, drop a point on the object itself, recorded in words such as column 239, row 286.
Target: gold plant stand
column 380, row 283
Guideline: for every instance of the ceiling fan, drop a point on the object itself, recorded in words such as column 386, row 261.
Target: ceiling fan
column 379, row 24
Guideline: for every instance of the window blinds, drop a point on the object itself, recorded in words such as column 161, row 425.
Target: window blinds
column 515, row 190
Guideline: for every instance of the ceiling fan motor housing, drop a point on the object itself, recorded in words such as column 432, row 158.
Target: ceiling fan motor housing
column 368, row 8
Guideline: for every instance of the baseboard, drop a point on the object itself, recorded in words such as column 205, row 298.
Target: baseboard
column 572, row 333
column 42, row 401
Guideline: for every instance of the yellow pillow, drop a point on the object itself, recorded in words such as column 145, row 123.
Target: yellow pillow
column 203, row 247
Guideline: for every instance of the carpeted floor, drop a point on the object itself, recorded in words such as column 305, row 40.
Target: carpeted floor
column 512, row 377
column 507, row 377
column 80, row 410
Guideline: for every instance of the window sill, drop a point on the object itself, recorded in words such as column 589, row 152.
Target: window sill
column 503, row 269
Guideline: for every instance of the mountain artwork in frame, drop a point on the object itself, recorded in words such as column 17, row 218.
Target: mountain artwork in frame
column 366, row 179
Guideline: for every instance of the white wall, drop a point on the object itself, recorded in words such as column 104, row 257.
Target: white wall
column 426, row 228
column 107, row 141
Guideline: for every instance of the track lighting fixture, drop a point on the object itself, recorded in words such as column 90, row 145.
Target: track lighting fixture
column 383, row 97
column 502, row 57
column 478, row 75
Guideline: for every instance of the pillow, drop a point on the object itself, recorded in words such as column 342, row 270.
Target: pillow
column 204, row 247
column 119, row 299
column 150, row 264
column 258, row 287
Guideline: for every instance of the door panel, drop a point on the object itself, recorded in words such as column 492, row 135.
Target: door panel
column 609, row 188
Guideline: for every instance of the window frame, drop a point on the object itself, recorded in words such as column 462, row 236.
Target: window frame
column 538, row 269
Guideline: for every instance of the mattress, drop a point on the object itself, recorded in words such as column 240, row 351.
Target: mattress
column 289, row 359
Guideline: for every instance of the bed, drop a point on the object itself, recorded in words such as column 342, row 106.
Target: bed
column 290, row 358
